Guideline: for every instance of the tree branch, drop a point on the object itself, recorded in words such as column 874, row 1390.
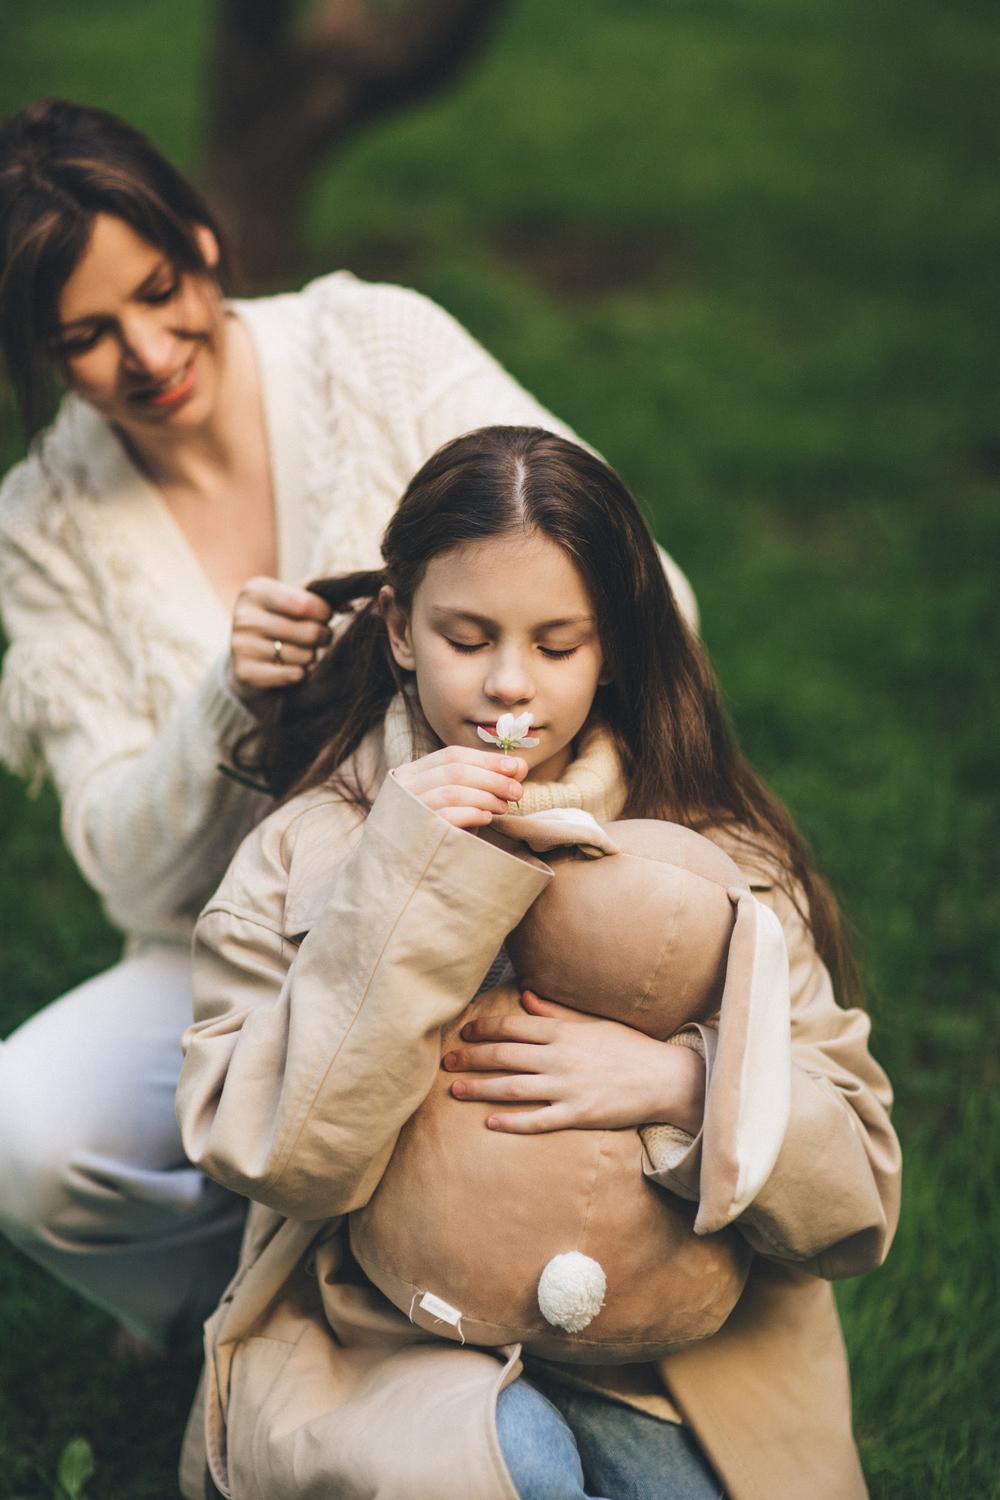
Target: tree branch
column 383, row 60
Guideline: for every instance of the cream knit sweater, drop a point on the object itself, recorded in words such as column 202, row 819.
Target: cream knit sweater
column 113, row 683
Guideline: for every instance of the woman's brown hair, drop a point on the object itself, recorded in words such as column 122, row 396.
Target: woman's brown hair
column 60, row 165
column 663, row 704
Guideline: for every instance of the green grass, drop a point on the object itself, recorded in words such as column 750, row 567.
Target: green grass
column 749, row 249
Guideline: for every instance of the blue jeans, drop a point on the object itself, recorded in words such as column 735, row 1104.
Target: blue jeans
column 562, row 1444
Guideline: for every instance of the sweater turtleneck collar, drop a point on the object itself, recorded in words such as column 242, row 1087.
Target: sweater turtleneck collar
column 593, row 780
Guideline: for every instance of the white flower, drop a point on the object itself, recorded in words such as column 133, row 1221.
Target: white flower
column 512, row 733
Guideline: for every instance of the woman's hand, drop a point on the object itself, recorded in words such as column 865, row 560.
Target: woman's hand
column 581, row 1072
column 277, row 630
column 465, row 787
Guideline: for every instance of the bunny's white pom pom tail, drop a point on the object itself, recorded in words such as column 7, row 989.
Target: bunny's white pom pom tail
column 571, row 1291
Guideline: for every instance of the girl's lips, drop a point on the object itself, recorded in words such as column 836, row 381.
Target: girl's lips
column 491, row 726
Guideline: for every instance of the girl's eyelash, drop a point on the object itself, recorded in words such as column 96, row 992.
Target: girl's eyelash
column 548, row 651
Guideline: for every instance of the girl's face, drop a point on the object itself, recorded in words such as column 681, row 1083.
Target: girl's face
column 497, row 626
column 138, row 339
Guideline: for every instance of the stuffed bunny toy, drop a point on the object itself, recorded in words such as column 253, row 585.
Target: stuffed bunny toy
column 559, row 1241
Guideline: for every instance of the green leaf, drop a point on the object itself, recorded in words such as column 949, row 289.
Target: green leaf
column 75, row 1467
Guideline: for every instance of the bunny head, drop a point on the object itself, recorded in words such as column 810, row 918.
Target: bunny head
column 650, row 923
column 641, row 935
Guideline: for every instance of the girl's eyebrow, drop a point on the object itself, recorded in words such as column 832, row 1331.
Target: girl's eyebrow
column 144, row 286
column 442, row 611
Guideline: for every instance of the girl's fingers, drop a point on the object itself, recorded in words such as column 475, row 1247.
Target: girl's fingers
column 517, row 1088
column 465, row 787
column 449, row 774
column 488, row 760
column 440, row 798
column 550, row 1010
column 465, row 817
column 509, row 1028
column 508, row 1057
column 531, row 1121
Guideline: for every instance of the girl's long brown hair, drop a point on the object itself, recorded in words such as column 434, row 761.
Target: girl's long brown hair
column 663, row 704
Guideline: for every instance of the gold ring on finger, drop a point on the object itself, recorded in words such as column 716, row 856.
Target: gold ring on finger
column 279, row 650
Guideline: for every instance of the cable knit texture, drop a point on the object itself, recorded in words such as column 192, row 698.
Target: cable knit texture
column 113, row 682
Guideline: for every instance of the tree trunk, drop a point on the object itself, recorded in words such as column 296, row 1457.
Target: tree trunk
column 284, row 98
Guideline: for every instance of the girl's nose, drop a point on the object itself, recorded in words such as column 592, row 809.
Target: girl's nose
column 509, row 682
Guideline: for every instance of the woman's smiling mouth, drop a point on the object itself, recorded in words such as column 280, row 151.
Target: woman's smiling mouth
column 170, row 392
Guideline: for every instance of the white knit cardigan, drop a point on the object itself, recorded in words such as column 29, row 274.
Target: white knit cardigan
column 113, row 682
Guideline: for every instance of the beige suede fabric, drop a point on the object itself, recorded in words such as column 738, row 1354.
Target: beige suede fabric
column 325, row 969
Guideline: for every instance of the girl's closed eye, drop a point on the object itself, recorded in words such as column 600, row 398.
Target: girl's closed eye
column 552, row 652
column 464, row 646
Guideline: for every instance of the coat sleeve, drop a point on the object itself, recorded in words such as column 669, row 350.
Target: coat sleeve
column 441, row 382
column 303, row 1063
column 145, row 812
column 831, row 1203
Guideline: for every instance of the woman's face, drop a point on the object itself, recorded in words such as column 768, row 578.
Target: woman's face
column 504, row 625
column 139, row 340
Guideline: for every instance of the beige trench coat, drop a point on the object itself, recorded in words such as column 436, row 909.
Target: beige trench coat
column 325, row 967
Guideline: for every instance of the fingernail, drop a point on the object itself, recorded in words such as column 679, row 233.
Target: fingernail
column 466, row 1031
column 516, row 790
column 493, row 1123
column 508, row 763
column 458, row 1088
column 449, row 1059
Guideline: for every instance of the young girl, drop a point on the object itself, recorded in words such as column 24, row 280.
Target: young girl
column 361, row 916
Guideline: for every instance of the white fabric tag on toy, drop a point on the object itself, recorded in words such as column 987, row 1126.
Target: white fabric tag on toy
column 440, row 1309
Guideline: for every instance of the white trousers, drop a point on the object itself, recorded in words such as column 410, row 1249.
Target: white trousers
column 94, row 1185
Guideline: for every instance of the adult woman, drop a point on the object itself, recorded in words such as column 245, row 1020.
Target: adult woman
column 201, row 445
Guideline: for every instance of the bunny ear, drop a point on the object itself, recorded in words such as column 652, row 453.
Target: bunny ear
column 746, row 1109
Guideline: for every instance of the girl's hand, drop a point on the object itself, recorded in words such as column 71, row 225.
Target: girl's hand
column 581, row 1072
column 465, row 787
column 277, row 630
